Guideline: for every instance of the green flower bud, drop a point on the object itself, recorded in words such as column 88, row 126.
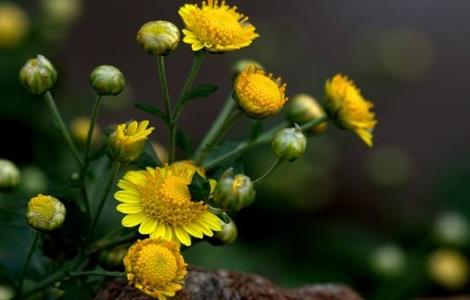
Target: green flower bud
column 9, row 176
column 45, row 213
column 107, row 80
column 226, row 236
column 61, row 12
column 159, row 37
column 241, row 65
column 113, row 258
column 233, row 192
column 303, row 108
column 38, row 75
column 451, row 229
column 289, row 144
column 388, row 261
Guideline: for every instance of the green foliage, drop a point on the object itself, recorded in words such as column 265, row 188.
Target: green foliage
column 199, row 188
column 151, row 109
column 201, row 91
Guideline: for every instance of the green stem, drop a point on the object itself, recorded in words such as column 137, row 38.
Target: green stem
column 62, row 127
column 218, row 135
column 164, row 86
column 268, row 173
column 113, row 174
column 196, row 66
column 28, row 260
column 97, row 273
column 216, row 126
column 264, row 138
column 89, row 138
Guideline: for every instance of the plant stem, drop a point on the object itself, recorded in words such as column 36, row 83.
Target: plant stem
column 196, row 66
column 113, row 174
column 216, row 125
column 62, row 127
column 97, row 273
column 217, row 132
column 264, row 138
column 164, row 86
column 89, row 138
column 268, row 173
column 33, row 246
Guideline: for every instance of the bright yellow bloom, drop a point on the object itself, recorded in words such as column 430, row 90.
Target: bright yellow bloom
column 216, row 27
column 128, row 141
column 258, row 93
column 156, row 267
column 349, row 107
column 160, row 202
column 14, row 25
column 45, row 212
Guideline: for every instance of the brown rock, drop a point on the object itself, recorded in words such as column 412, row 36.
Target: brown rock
column 226, row 285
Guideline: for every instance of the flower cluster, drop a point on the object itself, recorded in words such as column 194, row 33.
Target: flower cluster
column 167, row 203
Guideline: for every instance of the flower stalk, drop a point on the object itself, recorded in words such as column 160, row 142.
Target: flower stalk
column 269, row 172
column 32, row 248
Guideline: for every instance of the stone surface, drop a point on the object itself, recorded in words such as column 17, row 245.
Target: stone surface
column 226, row 285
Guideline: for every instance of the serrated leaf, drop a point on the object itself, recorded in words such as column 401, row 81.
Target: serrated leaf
column 151, row 109
column 199, row 188
column 201, row 91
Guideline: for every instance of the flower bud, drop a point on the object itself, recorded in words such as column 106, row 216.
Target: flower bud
column 449, row 269
column 226, row 236
column 158, row 37
column 451, row 229
column 79, row 130
column 9, row 176
column 38, row 75
column 240, row 65
column 113, row 258
column 14, row 25
column 107, row 80
column 303, row 108
column 289, row 144
column 388, row 261
column 61, row 12
column 234, row 192
column 45, row 213
column 127, row 142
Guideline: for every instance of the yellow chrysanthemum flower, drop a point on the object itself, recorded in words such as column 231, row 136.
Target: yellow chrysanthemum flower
column 45, row 212
column 160, row 202
column 156, row 267
column 349, row 107
column 216, row 27
column 127, row 142
column 259, row 94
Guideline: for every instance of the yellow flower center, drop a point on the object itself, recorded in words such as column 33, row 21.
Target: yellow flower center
column 166, row 197
column 259, row 94
column 156, row 265
column 217, row 26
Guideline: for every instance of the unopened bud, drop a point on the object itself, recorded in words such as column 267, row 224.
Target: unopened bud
column 113, row 258
column 227, row 235
column 38, row 75
column 234, row 192
column 289, row 144
column 45, row 213
column 9, row 176
column 107, row 80
column 159, row 37
column 303, row 108
column 127, row 142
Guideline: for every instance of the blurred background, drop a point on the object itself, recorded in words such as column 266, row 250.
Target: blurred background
column 392, row 221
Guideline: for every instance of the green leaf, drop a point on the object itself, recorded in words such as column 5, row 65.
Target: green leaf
column 201, row 91
column 151, row 109
column 98, row 153
column 199, row 188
